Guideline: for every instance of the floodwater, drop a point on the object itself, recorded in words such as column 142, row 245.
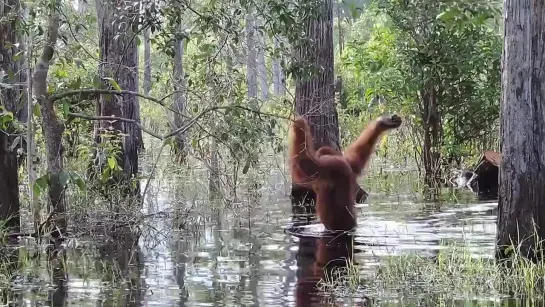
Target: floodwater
column 250, row 254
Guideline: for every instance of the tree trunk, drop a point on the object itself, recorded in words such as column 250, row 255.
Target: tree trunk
column 278, row 76
column 119, row 58
column 315, row 96
column 431, row 121
column 213, row 172
column 261, row 64
column 10, row 99
column 31, row 160
column 147, row 62
column 179, row 99
column 521, row 217
column 51, row 127
column 251, row 57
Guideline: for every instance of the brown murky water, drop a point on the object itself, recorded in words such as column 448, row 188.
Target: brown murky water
column 250, row 256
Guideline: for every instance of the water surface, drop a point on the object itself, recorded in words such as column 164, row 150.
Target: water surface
column 247, row 254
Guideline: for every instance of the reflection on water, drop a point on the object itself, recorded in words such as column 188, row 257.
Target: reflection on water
column 253, row 256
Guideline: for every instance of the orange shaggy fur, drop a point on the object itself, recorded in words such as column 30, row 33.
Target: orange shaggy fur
column 331, row 174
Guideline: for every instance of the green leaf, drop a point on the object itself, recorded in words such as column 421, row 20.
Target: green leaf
column 111, row 162
column 36, row 110
column 448, row 14
column 65, row 108
column 43, row 181
column 114, row 84
column 36, row 189
column 76, row 178
column 80, row 183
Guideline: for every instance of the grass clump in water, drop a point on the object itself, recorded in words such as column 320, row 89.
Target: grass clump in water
column 453, row 273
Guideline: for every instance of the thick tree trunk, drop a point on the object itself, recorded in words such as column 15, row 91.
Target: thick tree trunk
column 179, row 99
column 119, row 58
column 315, row 96
column 521, row 217
column 10, row 99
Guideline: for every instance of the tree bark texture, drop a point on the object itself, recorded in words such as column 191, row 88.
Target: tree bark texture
column 51, row 126
column 10, row 100
column 179, row 98
column 315, row 96
column 521, row 217
column 431, row 122
column 119, row 61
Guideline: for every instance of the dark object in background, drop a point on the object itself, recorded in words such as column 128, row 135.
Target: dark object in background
column 487, row 171
column 483, row 179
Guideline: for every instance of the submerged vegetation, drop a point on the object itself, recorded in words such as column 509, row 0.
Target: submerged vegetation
column 455, row 272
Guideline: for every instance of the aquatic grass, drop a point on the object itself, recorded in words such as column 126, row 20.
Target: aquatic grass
column 342, row 281
column 454, row 273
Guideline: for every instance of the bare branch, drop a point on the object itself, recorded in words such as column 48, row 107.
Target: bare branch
column 160, row 102
column 182, row 129
column 102, row 91
column 113, row 118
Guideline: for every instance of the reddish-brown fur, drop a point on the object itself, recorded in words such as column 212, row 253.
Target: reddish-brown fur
column 331, row 174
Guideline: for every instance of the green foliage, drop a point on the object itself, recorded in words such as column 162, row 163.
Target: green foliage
column 6, row 118
column 64, row 178
column 413, row 44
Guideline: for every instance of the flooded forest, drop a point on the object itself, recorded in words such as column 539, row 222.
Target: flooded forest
column 272, row 153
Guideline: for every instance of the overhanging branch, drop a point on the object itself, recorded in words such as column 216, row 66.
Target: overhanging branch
column 94, row 91
column 182, row 129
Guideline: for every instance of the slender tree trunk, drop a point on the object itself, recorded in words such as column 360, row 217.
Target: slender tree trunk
column 119, row 61
column 35, row 205
column 521, row 217
column 251, row 57
column 10, row 100
column 214, row 176
column 147, row 62
column 51, row 126
column 431, row 120
column 179, row 99
column 261, row 64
